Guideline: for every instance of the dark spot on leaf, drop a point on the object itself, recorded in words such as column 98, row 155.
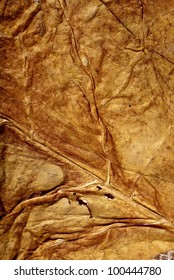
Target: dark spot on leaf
column 2, row 128
column 81, row 202
column 109, row 195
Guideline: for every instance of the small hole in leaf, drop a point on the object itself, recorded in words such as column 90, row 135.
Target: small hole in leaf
column 82, row 202
column 109, row 195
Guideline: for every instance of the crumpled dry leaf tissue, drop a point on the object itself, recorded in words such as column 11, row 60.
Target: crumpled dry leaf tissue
column 86, row 129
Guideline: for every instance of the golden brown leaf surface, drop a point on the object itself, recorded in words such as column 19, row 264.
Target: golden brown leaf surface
column 86, row 129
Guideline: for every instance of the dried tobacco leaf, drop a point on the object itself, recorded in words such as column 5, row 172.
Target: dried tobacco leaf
column 86, row 129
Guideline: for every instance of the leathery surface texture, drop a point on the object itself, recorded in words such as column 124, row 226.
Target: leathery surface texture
column 86, row 129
